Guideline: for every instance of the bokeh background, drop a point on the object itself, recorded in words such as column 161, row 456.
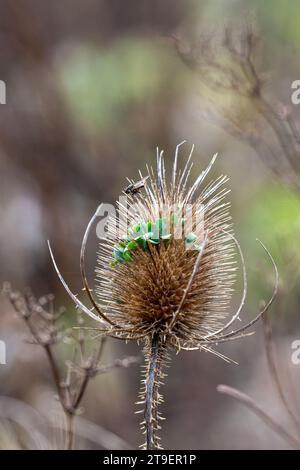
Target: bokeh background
column 92, row 88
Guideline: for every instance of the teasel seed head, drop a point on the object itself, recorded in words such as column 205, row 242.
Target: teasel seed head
column 166, row 271
column 146, row 262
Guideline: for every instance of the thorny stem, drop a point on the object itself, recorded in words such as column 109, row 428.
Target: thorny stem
column 151, row 390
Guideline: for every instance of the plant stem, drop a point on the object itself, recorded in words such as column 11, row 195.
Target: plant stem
column 151, row 392
column 70, row 431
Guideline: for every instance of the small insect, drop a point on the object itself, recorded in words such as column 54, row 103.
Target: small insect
column 134, row 188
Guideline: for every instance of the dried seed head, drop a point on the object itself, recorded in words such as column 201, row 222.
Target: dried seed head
column 168, row 262
column 165, row 274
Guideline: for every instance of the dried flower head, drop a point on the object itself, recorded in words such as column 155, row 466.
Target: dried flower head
column 168, row 264
column 166, row 271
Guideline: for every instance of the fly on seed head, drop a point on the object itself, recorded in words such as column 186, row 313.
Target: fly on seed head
column 134, row 188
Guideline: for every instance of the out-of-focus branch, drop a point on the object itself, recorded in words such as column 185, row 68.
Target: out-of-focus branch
column 251, row 405
column 269, row 346
column 292, row 438
column 36, row 425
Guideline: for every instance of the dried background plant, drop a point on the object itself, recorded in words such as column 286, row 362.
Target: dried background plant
column 291, row 433
column 227, row 62
column 43, row 322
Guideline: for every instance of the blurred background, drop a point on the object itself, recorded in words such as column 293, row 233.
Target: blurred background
column 92, row 88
